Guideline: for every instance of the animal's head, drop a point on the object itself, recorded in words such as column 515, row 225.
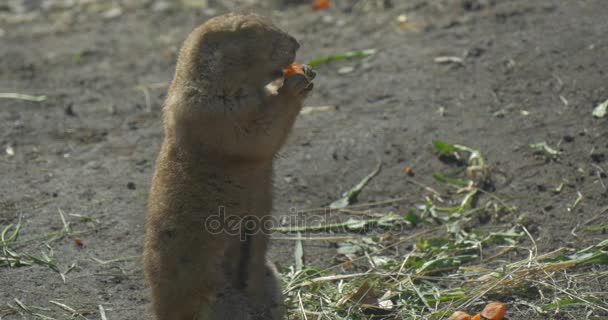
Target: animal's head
column 234, row 51
column 216, row 103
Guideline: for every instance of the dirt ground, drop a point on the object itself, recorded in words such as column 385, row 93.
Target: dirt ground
column 530, row 71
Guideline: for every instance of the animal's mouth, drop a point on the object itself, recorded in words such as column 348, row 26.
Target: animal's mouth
column 277, row 78
column 280, row 73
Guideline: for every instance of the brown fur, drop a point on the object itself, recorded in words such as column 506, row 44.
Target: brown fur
column 221, row 132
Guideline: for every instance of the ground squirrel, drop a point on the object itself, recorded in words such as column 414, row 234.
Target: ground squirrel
column 222, row 129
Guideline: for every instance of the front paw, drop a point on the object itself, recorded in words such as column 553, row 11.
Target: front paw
column 300, row 84
column 308, row 72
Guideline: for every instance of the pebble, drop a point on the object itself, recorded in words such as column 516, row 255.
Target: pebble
column 50, row 5
column 198, row 4
column 161, row 6
column 345, row 70
column 10, row 151
column 210, row 12
column 112, row 13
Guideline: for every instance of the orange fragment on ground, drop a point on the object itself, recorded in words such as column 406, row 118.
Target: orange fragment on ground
column 410, row 172
column 320, row 4
column 494, row 311
column 292, row 69
column 460, row 315
column 78, row 242
column 476, row 317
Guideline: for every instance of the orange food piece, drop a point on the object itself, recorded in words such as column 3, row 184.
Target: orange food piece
column 320, row 4
column 78, row 242
column 494, row 311
column 460, row 315
column 410, row 172
column 476, row 317
column 292, row 69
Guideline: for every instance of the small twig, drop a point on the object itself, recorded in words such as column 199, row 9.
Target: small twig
column 599, row 176
column 501, row 253
column 337, row 238
column 534, row 251
column 361, row 213
column 65, row 307
column 577, row 201
column 358, row 206
column 597, row 216
column 301, row 306
column 147, row 98
column 410, row 180
column 418, row 293
column 119, row 259
column 20, row 96
column 102, row 313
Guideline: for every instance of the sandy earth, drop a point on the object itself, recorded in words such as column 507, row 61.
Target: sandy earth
column 531, row 71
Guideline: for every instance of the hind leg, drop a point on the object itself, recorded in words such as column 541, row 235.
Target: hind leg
column 172, row 303
column 183, row 277
column 231, row 304
column 274, row 304
column 263, row 289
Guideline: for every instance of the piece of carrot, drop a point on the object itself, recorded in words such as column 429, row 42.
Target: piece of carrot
column 78, row 242
column 494, row 311
column 292, row 69
column 476, row 317
column 460, row 315
column 320, row 4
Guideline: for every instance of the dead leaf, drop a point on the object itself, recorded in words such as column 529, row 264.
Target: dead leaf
column 365, row 295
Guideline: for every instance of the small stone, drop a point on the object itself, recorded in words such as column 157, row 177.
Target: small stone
column 112, row 13
column 10, row 151
column 500, row 113
column 161, row 6
column 131, row 185
column 210, row 12
column 345, row 70
column 196, row 4
column 328, row 19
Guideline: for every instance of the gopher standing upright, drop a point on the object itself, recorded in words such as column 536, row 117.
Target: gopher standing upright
column 222, row 128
